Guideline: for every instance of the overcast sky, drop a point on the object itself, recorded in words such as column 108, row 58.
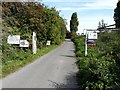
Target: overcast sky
column 89, row 12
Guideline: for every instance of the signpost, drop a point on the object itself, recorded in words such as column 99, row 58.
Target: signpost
column 48, row 43
column 34, row 46
column 89, row 36
column 13, row 39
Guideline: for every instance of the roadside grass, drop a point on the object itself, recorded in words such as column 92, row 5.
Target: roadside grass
column 24, row 58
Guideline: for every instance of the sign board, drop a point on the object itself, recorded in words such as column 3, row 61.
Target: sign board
column 24, row 43
column 13, row 39
column 91, row 42
column 92, row 35
column 48, row 42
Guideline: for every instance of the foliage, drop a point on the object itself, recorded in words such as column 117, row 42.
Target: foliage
column 21, row 58
column 100, row 69
column 74, row 23
column 117, row 15
column 22, row 18
column 29, row 17
column 68, row 34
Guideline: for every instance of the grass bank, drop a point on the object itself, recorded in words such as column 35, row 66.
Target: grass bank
column 22, row 59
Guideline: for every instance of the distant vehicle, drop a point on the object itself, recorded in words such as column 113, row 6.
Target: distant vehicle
column 91, row 42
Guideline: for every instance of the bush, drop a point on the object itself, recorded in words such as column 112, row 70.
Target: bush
column 99, row 70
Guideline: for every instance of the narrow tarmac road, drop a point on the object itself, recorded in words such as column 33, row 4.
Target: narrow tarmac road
column 56, row 69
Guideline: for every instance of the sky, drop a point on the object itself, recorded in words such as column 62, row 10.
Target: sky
column 89, row 12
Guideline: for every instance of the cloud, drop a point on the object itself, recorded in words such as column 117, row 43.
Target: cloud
column 92, row 22
column 105, row 4
column 82, row 8
column 90, row 12
column 65, row 8
column 18, row 0
column 93, row 5
column 65, row 0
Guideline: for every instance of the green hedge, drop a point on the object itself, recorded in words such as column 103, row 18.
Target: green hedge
column 23, row 18
column 100, row 70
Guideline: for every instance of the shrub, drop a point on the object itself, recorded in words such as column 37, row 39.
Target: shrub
column 99, row 70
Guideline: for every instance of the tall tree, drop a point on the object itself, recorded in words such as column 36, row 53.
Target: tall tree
column 74, row 23
column 117, row 15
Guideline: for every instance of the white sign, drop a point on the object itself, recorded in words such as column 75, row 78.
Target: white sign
column 48, row 42
column 92, row 35
column 24, row 43
column 13, row 39
column 34, row 46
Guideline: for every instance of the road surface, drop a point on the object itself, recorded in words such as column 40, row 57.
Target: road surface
column 56, row 69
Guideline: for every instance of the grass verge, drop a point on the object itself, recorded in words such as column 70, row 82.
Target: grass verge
column 26, row 58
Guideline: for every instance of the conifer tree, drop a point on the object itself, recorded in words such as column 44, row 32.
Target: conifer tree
column 74, row 23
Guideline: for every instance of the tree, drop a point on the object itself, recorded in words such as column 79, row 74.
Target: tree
column 25, row 17
column 101, row 25
column 117, row 15
column 74, row 23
